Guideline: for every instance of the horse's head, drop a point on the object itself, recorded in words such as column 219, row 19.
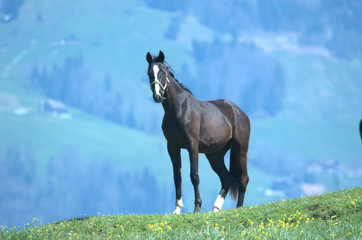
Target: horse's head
column 158, row 75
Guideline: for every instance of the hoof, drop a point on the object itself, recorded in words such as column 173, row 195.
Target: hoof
column 178, row 208
column 177, row 211
column 197, row 210
column 216, row 209
column 218, row 203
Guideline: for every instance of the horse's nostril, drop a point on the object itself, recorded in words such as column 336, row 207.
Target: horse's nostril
column 157, row 98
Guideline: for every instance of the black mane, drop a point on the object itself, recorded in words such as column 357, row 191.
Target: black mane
column 171, row 71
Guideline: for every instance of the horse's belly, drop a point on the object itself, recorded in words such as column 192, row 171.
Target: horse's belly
column 214, row 139
column 210, row 148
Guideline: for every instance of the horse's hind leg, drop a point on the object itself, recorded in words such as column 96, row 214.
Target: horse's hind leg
column 243, row 181
column 217, row 163
column 242, row 177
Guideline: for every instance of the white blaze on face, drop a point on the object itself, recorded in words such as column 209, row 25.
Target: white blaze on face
column 157, row 86
column 218, row 203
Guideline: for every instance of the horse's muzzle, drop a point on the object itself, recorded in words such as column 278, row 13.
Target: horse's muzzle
column 158, row 98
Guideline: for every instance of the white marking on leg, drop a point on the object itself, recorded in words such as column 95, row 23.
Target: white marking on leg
column 179, row 205
column 157, row 87
column 218, row 203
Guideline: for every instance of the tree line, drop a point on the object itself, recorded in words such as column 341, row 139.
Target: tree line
column 72, row 83
column 71, row 186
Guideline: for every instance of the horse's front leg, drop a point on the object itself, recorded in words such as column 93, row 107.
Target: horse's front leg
column 175, row 156
column 194, row 174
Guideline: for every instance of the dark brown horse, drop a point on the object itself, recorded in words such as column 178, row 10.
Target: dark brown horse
column 211, row 127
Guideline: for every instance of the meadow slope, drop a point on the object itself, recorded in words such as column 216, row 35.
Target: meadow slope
column 334, row 215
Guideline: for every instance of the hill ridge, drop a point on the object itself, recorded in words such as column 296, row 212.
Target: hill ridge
column 331, row 215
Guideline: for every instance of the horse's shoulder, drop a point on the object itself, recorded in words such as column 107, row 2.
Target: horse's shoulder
column 228, row 106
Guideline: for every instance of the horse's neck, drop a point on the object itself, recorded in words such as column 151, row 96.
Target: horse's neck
column 175, row 97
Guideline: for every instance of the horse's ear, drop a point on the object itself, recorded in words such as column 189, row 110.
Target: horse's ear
column 161, row 57
column 149, row 57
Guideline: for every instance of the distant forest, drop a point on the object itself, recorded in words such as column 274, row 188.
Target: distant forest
column 73, row 186
column 73, row 84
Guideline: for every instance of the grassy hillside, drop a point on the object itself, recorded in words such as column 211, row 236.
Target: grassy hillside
column 333, row 215
column 114, row 40
column 322, row 102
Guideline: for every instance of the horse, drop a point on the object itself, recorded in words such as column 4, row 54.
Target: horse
column 209, row 127
column 360, row 128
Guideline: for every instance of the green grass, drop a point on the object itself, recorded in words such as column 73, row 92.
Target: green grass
column 335, row 215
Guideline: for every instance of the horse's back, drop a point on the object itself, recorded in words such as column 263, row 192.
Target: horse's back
column 232, row 110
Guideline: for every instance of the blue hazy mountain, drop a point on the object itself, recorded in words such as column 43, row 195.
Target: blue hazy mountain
column 293, row 66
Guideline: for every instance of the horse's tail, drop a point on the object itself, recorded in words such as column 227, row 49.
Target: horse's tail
column 234, row 175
